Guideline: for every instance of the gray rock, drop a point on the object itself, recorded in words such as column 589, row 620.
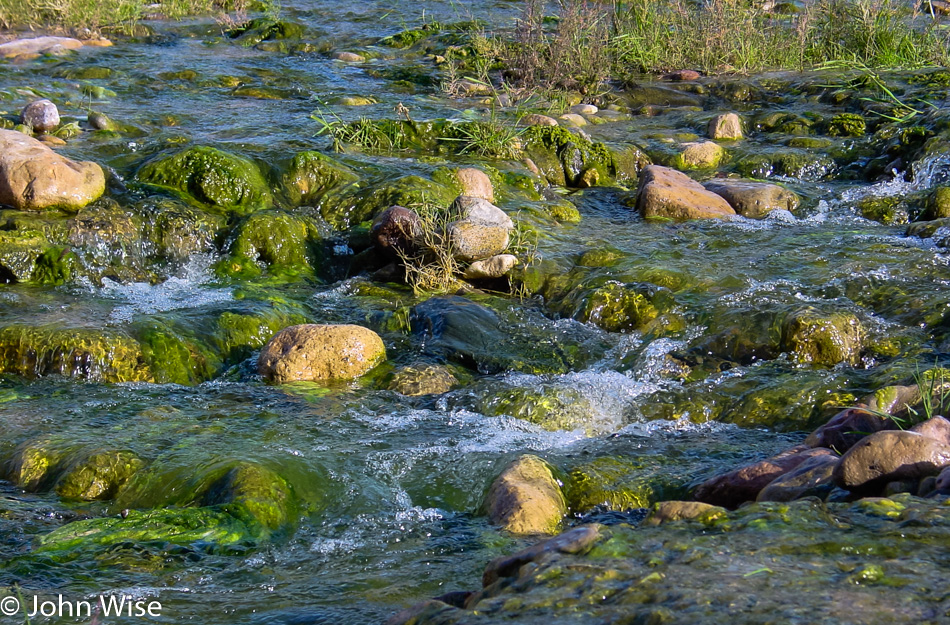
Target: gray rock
column 727, row 126
column 467, row 207
column 494, row 267
column 41, row 115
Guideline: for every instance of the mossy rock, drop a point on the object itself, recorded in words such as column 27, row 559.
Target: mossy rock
column 218, row 179
column 889, row 211
column 606, row 256
column 567, row 159
column 812, row 337
column 95, row 355
column 178, row 231
column 409, row 37
column 283, row 243
column 266, row 29
column 312, row 174
column 551, row 408
column 617, row 307
column 614, row 483
column 239, row 334
column 55, row 266
column 207, row 528
column 938, row 203
column 175, row 356
column 98, row 475
column 36, row 463
column 408, row 191
column 846, row 125
column 256, row 495
column 19, row 251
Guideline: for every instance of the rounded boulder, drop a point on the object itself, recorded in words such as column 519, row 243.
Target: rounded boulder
column 312, row 352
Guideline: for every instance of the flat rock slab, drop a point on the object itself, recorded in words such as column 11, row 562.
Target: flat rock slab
column 38, row 45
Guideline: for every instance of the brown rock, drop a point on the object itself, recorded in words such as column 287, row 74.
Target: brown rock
column 943, row 480
column 811, row 477
column 668, row 511
column 574, row 541
column 727, row 127
column 848, row 427
column 395, row 230
column 420, row 613
column 34, row 177
column 937, row 428
column 51, row 140
column 890, row 456
column 683, row 75
column 665, row 192
column 533, row 119
column 741, row 485
column 474, row 240
column 349, row 57
column 40, row 115
column 754, row 199
column 475, row 183
column 526, row 499
column 320, row 352
column 494, row 267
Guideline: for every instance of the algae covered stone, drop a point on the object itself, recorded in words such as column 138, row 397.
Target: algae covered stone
column 417, row 380
column 98, row 475
column 526, row 498
column 312, row 174
column 811, row 337
column 320, row 352
column 280, row 241
column 612, row 482
column 256, row 495
column 617, row 307
column 222, row 180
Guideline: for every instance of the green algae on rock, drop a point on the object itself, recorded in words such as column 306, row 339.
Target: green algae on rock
column 95, row 355
column 98, row 475
column 312, row 174
column 256, row 495
column 223, row 181
column 823, row 339
column 284, row 243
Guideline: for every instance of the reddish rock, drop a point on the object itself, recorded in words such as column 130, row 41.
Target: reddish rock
column 683, row 75
column 573, row 541
column 731, row 489
column 888, row 457
column 848, row 427
column 395, row 230
column 812, row 477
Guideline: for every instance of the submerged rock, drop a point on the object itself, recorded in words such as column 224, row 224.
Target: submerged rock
column 889, row 456
column 617, row 307
column 33, row 177
column 613, row 483
column 213, row 177
column 98, row 475
column 526, row 499
column 414, row 381
column 754, row 199
column 667, row 193
column 670, row 511
column 40, row 115
column 282, row 242
column 256, row 495
column 320, row 352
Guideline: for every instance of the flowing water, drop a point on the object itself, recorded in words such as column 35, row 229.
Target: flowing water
column 390, row 487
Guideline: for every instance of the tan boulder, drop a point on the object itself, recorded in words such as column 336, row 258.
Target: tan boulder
column 34, row 177
column 38, row 45
column 494, row 267
column 890, row 456
column 665, row 192
column 475, row 183
column 584, row 109
column 754, row 199
column 726, row 127
column 533, row 119
column 320, row 352
column 526, row 499
column 669, row 511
